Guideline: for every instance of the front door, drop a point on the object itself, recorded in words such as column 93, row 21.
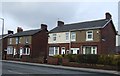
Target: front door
column 21, row 49
column 63, row 50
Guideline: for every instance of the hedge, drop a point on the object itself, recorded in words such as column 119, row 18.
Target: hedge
column 113, row 60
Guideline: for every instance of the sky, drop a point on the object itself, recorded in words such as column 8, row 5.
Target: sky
column 30, row 14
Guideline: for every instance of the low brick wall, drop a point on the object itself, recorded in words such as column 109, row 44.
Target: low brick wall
column 52, row 60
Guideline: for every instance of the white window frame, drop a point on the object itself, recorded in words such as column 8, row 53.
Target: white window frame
column 87, row 34
column 17, row 40
column 56, row 48
column 67, row 36
column 9, row 50
column 54, row 37
column 26, row 39
column 54, row 51
column 10, row 39
column 93, row 48
column 73, row 36
column 75, row 50
column 20, row 39
column 27, row 51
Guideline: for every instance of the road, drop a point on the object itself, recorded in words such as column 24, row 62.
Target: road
column 23, row 69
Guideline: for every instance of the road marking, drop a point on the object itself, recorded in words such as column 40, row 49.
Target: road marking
column 14, row 72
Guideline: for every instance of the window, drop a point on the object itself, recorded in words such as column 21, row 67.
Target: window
column 53, row 51
column 67, row 36
column 54, row 37
column 17, row 40
column 56, row 51
column 26, row 39
column 71, row 51
column 90, row 50
column 20, row 39
column 94, row 50
column 9, row 50
column 10, row 41
column 73, row 36
column 74, row 50
column 89, row 35
column 26, row 51
column 78, row 52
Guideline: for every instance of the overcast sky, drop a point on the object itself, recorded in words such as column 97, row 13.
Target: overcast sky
column 29, row 15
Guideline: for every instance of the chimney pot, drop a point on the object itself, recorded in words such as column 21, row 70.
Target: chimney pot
column 19, row 29
column 10, row 32
column 60, row 23
column 43, row 26
column 108, row 15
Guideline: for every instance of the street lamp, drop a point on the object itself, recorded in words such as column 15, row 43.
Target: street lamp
column 2, row 36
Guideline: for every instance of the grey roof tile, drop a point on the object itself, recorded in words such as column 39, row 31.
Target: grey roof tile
column 26, row 33
column 82, row 25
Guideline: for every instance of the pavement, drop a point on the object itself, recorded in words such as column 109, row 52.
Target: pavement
column 67, row 68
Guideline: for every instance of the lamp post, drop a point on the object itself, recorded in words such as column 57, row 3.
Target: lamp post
column 2, row 35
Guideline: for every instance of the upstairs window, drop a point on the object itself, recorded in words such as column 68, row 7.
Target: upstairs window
column 20, row 39
column 54, row 37
column 17, row 40
column 73, row 36
column 10, row 41
column 26, row 39
column 67, row 36
column 89, row 35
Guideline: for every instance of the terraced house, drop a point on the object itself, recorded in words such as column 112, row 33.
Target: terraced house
column 90, row 37
column 32, row 43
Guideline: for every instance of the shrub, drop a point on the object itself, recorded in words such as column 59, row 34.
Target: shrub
column 87, row 58
column 58, row 56
column 71, row 57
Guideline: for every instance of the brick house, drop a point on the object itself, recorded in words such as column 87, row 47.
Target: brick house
column 31, row 43
column 3, row 43
column 90, row 37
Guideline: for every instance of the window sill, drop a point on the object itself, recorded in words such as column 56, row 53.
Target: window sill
column 89, row 40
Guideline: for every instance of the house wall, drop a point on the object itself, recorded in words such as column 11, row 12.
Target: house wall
column 108, row 41
column 60, row 37
column 81, row 35
column 77, row 45
column 40, row 44
column 5, row 44
column 21, row 39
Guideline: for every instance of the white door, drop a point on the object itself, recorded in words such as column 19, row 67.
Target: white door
column 63, row 50
column 14, row 51
column 21, row 49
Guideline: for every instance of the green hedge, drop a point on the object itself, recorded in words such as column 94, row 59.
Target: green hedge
column 93, row 59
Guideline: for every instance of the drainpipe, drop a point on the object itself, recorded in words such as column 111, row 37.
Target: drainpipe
column 70, row 43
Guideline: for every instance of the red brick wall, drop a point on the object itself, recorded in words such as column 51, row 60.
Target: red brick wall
column 108, row 33
column 4, row 44
column 77, row 45
column 40, row 44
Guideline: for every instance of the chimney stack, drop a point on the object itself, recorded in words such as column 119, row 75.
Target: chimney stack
column 43, row 26
column 10, row 32
column 60, row 23
column 108, row 15
column 19, row 29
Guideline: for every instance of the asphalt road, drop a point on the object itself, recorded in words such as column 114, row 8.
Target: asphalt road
column 16, row 69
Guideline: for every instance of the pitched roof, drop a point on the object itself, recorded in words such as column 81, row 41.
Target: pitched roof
column 27, row 33
column 5, row 35
column 82, row 25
